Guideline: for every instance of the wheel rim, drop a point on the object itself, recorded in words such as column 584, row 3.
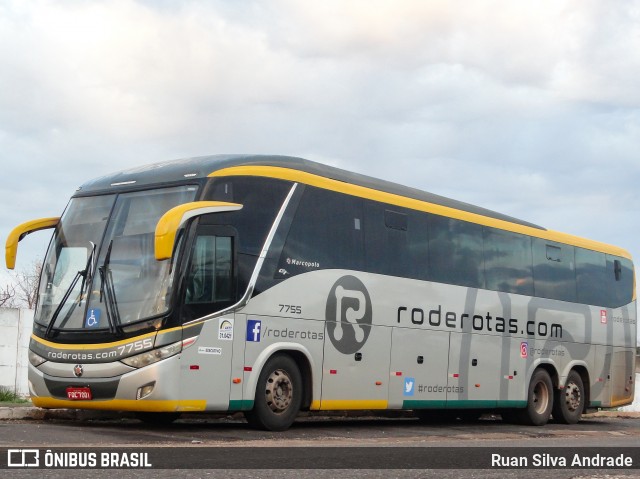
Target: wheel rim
column 279, row 391
column 540, row 397
column 573, row 396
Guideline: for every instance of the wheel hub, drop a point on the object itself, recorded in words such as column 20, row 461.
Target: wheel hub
column 540, row 397
column 279, row 391
column 573, row 396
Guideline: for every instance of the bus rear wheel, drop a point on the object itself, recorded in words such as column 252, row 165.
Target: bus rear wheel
column 539, row 400
column 278, row 395
column 568, row 403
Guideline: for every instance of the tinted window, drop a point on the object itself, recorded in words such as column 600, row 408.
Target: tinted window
column 591, row 269
column 508, row 261
column 554, row 270
column 620, row 279
column 261, row 199
column 326, row 233
column 396, row 241
column 211, row 270
column 455, row 252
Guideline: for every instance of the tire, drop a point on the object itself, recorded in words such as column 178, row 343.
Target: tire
column 278, row 395
column 568, row 403
column 539, row 400
column 157, row 418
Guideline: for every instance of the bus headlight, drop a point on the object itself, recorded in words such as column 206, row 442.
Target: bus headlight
column 35, row 359
column 150, row 357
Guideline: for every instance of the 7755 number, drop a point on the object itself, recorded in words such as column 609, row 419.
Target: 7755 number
column 287, row 308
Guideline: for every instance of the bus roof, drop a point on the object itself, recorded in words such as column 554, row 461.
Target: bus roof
column 309, row 172
column 201, row 167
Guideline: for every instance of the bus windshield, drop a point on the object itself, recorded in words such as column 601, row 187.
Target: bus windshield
column 119, row 284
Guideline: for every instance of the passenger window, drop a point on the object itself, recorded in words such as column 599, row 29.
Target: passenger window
column 455, row 252
column 554, row 270
column 620, row 279
column 508, row 262
column 326, row 233
column 396, row 241
column 210, row 277
column 591, row 278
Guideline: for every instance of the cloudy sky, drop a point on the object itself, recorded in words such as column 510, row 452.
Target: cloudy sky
column 528, row 108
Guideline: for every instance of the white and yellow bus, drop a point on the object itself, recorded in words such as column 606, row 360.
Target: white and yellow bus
column 272, row 285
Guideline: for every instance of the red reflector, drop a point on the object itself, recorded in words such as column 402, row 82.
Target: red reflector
column 398, row 373
column 194, row 367
column 456, row 375
column 333, row 371
column 248, row 368
column 378, row 383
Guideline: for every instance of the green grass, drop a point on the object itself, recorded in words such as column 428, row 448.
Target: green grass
column 9, row 395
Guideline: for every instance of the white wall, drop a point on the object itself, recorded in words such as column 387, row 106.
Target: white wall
column 15, row 331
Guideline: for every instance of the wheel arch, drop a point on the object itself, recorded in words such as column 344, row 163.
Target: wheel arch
column 551, row 370
column 303, row 359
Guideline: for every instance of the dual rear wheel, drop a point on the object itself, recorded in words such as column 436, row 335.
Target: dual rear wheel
column 566, row 404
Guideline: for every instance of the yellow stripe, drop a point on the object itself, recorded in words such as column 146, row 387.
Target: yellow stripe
column 339, row 404
column 621, row 401
column 390, row 198
column 106, row 345
column 122, row 405
column 89, row 346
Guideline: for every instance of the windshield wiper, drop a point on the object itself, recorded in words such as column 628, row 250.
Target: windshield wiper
column 108, row 291
column 87, row 275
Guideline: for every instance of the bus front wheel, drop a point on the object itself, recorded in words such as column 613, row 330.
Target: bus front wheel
column 278, row 395
column 539, row 400
column 568, row 403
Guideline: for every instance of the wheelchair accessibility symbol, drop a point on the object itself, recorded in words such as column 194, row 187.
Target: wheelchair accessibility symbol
column 93, row 319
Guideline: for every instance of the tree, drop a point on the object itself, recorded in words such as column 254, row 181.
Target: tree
column 7, row 296
column 22, row 289
column 27, row 281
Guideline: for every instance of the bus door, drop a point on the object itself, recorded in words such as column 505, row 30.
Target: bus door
column 418, row 376
column 355, row 372
column 474, row 370
column 210, row 286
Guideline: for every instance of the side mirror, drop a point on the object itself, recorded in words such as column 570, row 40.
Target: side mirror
column 175, row 218
column 19, row 232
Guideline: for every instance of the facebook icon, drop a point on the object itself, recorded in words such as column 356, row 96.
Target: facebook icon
column 253, row 330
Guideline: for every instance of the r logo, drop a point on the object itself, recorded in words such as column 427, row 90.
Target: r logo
column 349, row 315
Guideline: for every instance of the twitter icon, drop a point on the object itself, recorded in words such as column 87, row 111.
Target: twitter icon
column 409, row 384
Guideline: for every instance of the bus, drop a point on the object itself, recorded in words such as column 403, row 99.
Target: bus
column 271, row 285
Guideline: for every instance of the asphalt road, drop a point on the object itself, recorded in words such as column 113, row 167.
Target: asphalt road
column 395, row 435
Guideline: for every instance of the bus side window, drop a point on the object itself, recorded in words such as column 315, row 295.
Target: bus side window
column 455, row 252
column 508, row 261
column 593, row 286
column 554, row 273
column 620, row 279
column 210, row 277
